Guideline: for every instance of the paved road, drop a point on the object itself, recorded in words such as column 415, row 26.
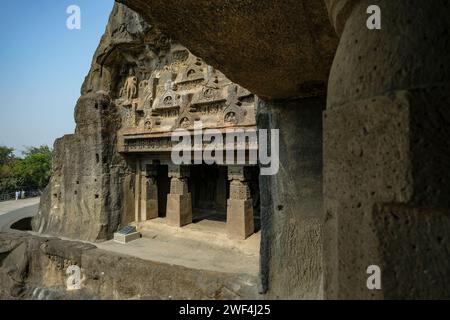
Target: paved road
column 12, row 211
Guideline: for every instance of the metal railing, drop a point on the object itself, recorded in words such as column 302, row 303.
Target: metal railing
column 26, row 194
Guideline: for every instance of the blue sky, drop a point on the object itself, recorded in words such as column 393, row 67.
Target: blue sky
column 42, row 67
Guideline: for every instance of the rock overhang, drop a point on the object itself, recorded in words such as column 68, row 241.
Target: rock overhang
column 238, row 38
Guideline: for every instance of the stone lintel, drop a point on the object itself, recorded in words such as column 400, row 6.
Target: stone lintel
column 177, row 171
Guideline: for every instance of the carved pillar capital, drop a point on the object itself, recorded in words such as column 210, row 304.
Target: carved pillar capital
column 240, row 190
column 239, row 187
column 339, row 11
column 150, row 171
column 176, row 171
column 179, row 186
column 239, row 173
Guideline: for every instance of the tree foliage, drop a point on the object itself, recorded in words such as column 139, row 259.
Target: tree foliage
column 6, row 155
column 7, row 162
column 32, row 171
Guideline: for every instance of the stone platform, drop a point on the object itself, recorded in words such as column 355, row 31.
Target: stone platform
column 203, row 245
column 109, row 275
column 197, row 261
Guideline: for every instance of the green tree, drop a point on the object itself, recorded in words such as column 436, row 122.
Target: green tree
column 37, row 150
column 7, row 162
column 6, row 155
column 34, row 170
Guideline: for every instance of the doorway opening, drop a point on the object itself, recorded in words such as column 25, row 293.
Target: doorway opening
column 210, row 191
column 209, row 187
column 163, row 185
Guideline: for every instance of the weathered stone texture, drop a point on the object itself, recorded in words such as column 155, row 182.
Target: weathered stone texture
column 135, row 278
column 35, row 268
column 414, row 251
column 291, row 202
column 408, row 52
column 29, row 264
column 86, row 198
column 367, row 160
column 275, row 50
column 386, row 151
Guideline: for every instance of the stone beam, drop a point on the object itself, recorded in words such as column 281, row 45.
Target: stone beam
column 276, row 49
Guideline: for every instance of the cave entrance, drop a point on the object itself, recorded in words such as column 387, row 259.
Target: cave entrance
column 163, row 187
column 209, row 191
column 226, row 196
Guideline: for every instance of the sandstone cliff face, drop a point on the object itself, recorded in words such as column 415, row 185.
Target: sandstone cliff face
column 85, row 198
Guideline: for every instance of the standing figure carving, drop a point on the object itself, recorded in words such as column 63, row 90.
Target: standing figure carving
column 129, row 89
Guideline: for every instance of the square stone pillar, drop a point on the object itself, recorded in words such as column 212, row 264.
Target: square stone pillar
column 137, row 192
column 240, row 224
column 179, row 200
column 146, row 193
column 149, row 194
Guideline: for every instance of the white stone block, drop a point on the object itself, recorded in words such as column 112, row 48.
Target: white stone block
column 125, row 238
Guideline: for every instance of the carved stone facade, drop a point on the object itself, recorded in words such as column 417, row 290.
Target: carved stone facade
column 153, row 103
column 116, row 169
column 167, row 90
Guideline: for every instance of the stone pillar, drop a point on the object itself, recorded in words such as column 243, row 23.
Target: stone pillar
column 240, row 224
column 386, row 177
column 179, row 200
column 138, row 192
column 149, row 194
column 292, row 200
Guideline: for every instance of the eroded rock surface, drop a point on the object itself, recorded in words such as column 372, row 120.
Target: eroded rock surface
column 34, row 267
column 84, row 198
column 276, row 50
column 386, row 152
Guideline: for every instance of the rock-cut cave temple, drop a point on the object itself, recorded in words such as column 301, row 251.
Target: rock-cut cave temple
column 363, row 136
